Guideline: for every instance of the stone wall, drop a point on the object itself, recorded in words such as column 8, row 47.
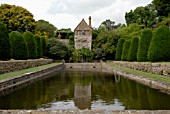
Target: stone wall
column 154, row 68
column 84, row 66
column 11, row 84
column 14, row 65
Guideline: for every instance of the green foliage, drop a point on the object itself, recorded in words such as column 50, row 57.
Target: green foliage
column 39, row 46
column 125, row 50
column 159, row 49
column 144, row 44
column 31, row 44
column 5, row 49
column 132, row 55
column 162, row 7
column 19, row 48
column 107, row 43
column 16, row 18
column 142, row 15
column 56, row 49
column 45, row 28
column 44, row 45
column 119, row 49
column 129, row 31
column 82, row 55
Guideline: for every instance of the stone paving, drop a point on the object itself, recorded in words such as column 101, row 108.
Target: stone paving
column 84, row 112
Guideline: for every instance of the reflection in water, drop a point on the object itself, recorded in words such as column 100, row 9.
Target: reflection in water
column 85, row 90
column 82, row 96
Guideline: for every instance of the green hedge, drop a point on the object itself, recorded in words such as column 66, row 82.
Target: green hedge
column 18, row 46
column 132, row 55
column 159, row 49
column 39, row 46
column 31, row 44
column 144, row 44
column 44, row 46
column 125, row 50
column 119, row 49
column 5, row 49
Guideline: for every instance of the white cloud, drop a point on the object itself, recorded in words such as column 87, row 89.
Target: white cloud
column 68, row 13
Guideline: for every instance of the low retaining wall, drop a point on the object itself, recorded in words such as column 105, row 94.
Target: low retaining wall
column 84, row 66
column 14, row 65
column 154, row 68
column 11, row 84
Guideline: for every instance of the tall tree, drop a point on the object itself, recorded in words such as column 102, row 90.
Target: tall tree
column 142, row 15
column 45, row 28
column 162, row 7
column 16, row 18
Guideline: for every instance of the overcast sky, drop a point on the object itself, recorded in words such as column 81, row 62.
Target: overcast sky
column 68, row 13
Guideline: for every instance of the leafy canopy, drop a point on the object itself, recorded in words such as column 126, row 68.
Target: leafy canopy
column 16, row 18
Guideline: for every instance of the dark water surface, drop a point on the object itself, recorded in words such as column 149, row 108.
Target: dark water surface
column 76, row 89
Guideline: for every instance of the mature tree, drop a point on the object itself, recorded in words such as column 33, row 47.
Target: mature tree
column 107, row 42
column 45, row 28
column 5, row 48
column 144, row 43
column 56, row 49
column 142, row 15
column 31, row 44
column 159, row 49
column 16, row 18
column 162, row 7
column 19, row 48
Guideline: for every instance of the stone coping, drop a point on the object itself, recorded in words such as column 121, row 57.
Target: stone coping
column 85, row 112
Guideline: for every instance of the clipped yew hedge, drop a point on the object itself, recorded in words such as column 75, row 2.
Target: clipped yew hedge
column 144, row 43
column 44, row 46
column 119, row 49
column 31, row 44
column 132, row 55
column 159, row 49
column 5, row 49
column 18, row 46
column 125, row 50
column 39, row 46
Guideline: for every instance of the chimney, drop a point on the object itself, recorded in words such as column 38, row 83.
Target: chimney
column 90, row 21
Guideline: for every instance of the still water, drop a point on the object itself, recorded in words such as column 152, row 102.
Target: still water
column 75, row 89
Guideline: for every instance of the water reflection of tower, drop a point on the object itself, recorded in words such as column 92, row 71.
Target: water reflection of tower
column 82, row 96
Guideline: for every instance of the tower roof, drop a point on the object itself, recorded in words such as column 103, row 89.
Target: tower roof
column 82, row 26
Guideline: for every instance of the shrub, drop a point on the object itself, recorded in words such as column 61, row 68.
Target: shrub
column 159, row 49
column 82, row 55
column 18, row 46
column 56, row 49
column 39, row 46
column 144, row 44
column 44, row 45
column 119, row 49
column 132, row 55
column 31, row 44
column 125, row 50
column 5, row 49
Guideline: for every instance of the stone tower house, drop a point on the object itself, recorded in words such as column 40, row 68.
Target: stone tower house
column 83, row 35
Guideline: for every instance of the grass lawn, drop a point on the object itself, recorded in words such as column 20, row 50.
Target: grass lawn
column 20, row 72
column 140, row 73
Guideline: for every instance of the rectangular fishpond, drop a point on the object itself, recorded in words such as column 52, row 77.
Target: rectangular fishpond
column 82, row 89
